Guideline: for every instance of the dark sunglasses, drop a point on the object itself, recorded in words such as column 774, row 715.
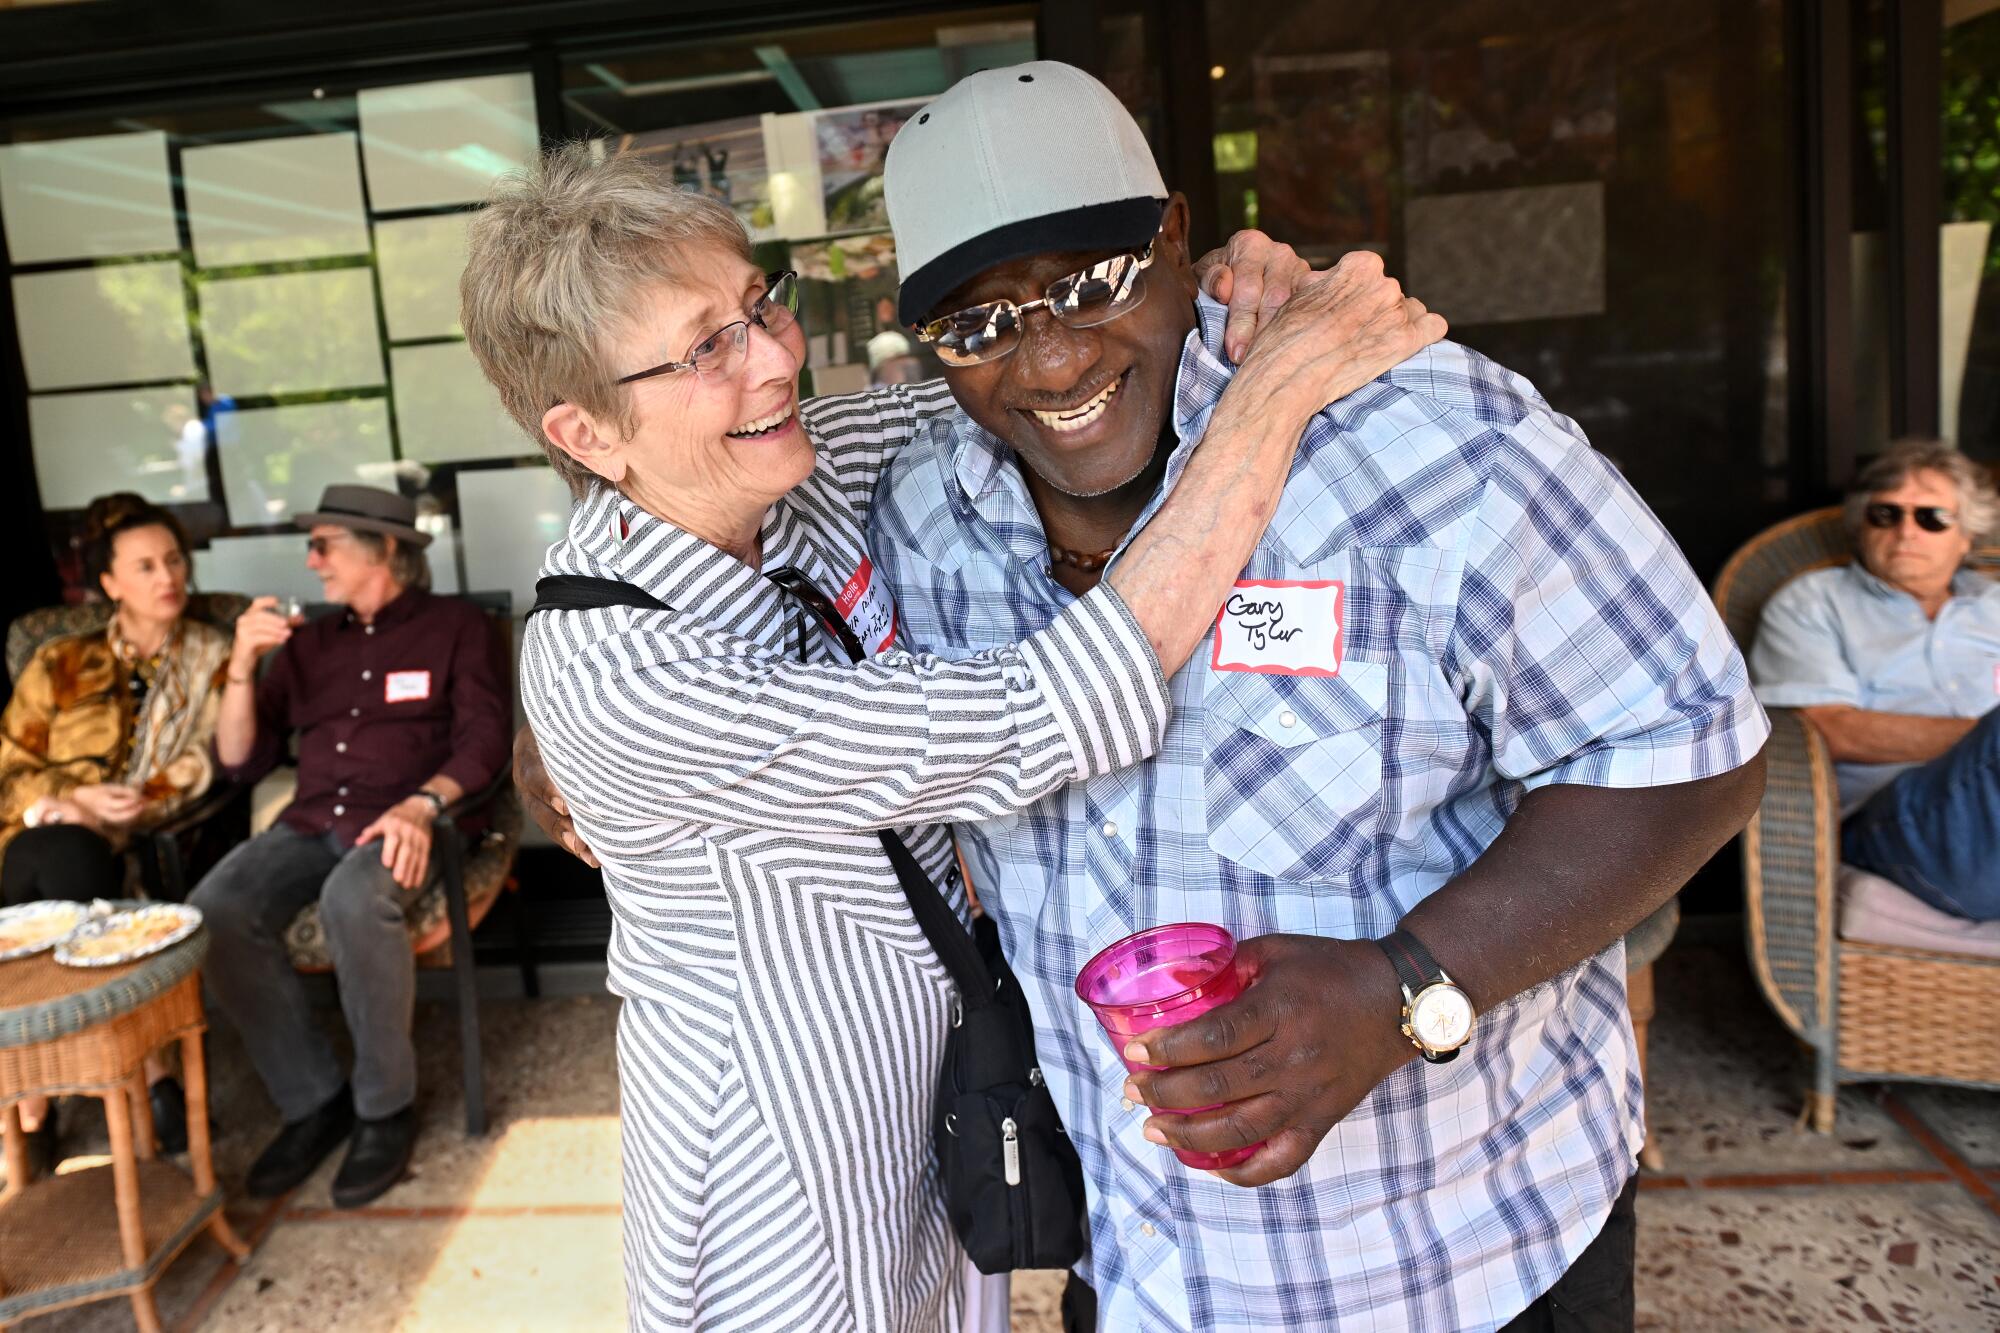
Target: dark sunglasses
column 1931, row 518
column 319, row 546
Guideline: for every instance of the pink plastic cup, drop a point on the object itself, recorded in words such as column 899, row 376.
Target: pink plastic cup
column 1158, row 978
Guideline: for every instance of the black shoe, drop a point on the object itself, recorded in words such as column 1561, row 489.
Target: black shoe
column 170, row 1115
column 377, row 1159
column 300, row 1147
column 44, row 1150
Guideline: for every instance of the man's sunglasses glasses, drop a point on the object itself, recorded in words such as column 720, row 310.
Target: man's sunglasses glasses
column 1096, row 295
column 717, row 356
column 319, row 546
column 1931, row 518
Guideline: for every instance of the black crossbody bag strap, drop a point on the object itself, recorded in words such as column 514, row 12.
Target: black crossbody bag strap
column 955, row 947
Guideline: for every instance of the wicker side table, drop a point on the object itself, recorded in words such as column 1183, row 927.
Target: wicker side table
column 103, row 1231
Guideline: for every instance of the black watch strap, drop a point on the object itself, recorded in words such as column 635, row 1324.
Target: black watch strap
column 1415, row 967
column 437, row 801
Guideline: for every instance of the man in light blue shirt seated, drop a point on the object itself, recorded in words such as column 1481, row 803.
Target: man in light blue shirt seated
column 1896, row 660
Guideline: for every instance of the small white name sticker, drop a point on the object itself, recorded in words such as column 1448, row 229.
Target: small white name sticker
column 1281, row 627
column 403, row 687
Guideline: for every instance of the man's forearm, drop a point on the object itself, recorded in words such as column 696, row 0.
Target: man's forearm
column 1575, row 868
column 1177, row 571
column 236, row 720
column 1862, row 736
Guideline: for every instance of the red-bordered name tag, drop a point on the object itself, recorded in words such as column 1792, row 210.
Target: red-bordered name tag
column 1281, row 627
column 404, row 687
column 864, row 603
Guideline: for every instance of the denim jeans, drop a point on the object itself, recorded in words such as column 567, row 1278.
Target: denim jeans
column 1935, row 830
column 247, row 901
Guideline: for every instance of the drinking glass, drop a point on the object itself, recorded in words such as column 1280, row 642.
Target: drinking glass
column 1158, row 978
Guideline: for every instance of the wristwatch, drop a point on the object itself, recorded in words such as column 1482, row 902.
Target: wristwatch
column 437, row 801
column 1437, row 1014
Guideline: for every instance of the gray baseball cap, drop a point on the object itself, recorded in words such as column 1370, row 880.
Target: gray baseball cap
column 1027, row 160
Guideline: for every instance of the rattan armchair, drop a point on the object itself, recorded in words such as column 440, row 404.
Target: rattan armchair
column 1869, row 1012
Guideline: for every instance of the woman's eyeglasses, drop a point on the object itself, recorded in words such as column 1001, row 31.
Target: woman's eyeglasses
column 717, row 356
column 1931, row 518
column 1096, row 295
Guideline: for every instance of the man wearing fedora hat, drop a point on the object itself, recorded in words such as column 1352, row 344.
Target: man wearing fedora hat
column 399, row 712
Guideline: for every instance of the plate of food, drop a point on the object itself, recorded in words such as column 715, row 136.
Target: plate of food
column 126, row 936
column 33, row 927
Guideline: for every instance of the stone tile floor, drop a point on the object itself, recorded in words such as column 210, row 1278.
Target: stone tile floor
column 1893, row 1221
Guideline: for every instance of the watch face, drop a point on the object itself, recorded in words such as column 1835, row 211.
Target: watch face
column 1441, row 1018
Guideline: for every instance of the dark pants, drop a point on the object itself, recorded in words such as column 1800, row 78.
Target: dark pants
column 247, row 902
column 1935, row 830
column 60, row 861
column 1593, row 1296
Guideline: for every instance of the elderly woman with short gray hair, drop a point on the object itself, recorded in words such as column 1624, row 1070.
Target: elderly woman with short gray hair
column 1896, row 661
column 729, row 764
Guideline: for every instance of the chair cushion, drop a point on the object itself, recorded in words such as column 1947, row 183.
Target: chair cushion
column 487, row 865
column 1875, row 911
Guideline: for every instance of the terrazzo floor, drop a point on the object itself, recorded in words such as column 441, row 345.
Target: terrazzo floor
column 1893, row 1221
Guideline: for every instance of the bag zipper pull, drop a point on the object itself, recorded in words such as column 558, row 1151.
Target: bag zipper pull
column 1010, row 1150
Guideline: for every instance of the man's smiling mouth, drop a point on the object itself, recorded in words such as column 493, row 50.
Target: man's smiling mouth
column 1084, row 414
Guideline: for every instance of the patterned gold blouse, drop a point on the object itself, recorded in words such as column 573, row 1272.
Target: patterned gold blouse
column 85, row 712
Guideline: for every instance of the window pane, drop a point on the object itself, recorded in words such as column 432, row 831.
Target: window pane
column 420, row 260
column 509, row 517
column 446, row 411
column 274, row 199
column 107, row 324
column 292, row 332
column 444, row 143
column 277, row 460
column 147, row 440
column 87, row 198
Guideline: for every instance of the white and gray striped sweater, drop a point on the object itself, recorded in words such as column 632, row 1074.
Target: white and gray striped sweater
column 784, row 1015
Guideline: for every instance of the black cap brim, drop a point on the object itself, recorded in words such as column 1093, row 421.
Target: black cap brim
column 1123, row 222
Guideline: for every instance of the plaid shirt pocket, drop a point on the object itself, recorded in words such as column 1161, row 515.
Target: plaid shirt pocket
column 1294, row 772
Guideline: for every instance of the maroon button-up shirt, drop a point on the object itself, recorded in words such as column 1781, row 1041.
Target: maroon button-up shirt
column 379, row 709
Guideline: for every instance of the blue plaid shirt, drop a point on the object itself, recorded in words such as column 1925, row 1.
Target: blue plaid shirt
column 1514, row 616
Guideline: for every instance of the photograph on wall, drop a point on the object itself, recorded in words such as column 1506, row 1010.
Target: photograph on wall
column 853, row 141
column 1324, row 152
column 724, row 159
column 1501, row 116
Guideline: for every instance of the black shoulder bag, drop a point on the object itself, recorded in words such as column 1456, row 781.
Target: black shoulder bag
column 1012, row 1184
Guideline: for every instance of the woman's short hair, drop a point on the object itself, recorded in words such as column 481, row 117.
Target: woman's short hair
column 1978, row 504
column 119, row 512
column 558, row 260
column 408, row 564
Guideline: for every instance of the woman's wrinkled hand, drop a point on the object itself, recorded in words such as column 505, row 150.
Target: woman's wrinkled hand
column 1339, row 330
column 1253, row 275
column 540, row 799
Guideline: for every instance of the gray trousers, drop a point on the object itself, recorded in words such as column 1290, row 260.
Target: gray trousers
column 247, row 901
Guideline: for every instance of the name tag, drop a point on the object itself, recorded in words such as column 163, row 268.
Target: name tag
column 1996, row 677
column 864, row 603
column 1281, row 627
column 402, row 687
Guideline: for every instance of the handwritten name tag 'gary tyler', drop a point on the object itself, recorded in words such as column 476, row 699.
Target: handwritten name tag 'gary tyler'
column 1281, row 627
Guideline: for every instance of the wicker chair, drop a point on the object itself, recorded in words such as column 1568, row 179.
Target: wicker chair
column 1869, row 1012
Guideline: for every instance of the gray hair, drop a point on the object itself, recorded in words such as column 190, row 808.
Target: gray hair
column 557, row 261
column 408, row 564
column 1978, row 504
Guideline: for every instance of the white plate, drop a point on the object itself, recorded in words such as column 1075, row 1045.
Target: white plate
column 69, row 915
column 174, row 921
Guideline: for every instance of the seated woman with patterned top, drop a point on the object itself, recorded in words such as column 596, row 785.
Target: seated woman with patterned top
column 108, row 733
